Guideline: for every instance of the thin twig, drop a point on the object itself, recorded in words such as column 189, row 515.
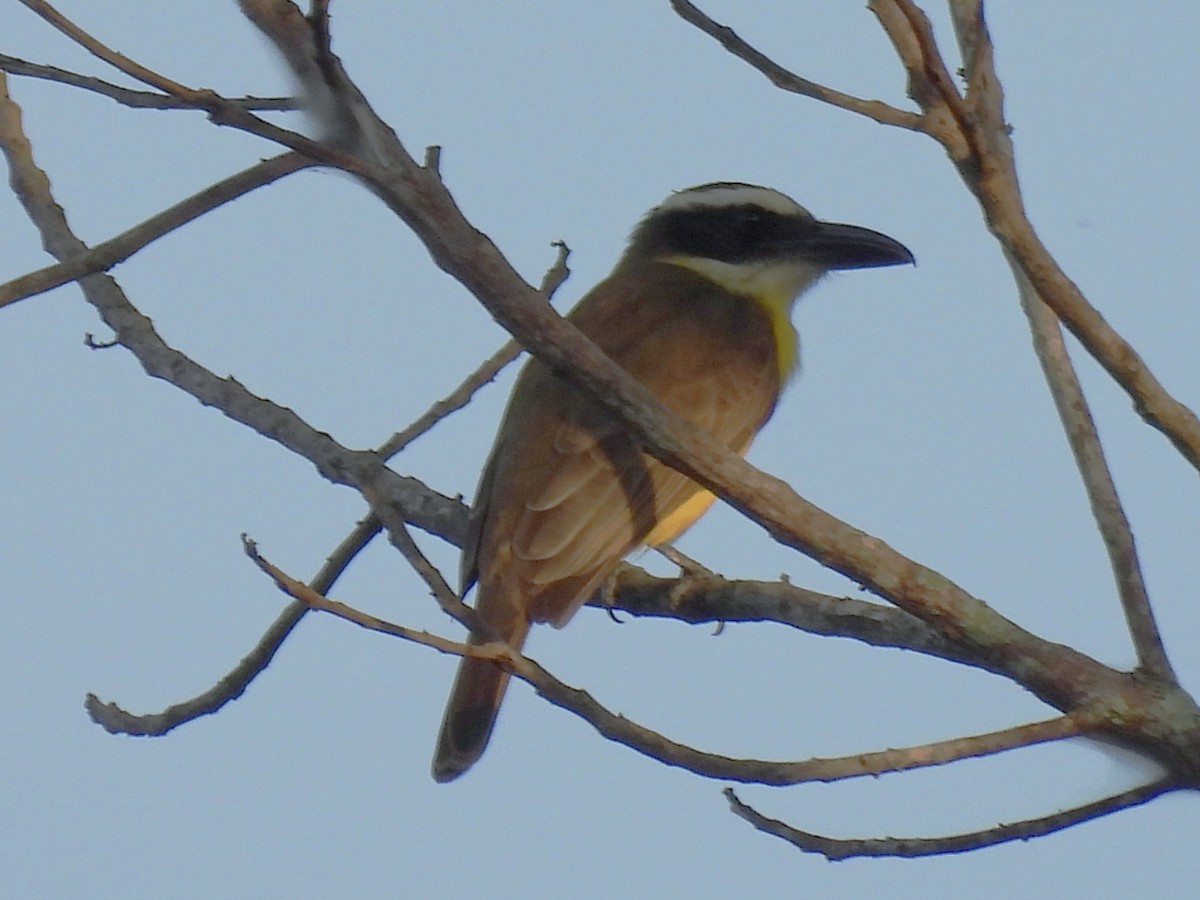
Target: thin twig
column 452, row 402
column 103, row 52
column 875, row 110
column 690, row 568
column 116, row 720
column 839, row 848
column 305, row 595
column 484, row 374
column 400, row 538
column 104, row 256
column 1115, row 531
column 134, row 99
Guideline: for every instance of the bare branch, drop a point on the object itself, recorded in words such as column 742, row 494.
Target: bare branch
column 127, row 96
column 313, row 600
column 448, row 600
column 637, row 737
column 98, row 49
column 1110, row 517
column 976, row 136
column 104, row 256
column 836, row 849
column 135, row 332
column 486, row 373
column 330, row 97
column 221, row 110
column 232, row 685
column 636, row 592
column 975, row 48
column 875, row 110
column 711, row 598
column 690, row 570
column 980, row 147
column 454, row 401
column 989, row 169
column 115, row 720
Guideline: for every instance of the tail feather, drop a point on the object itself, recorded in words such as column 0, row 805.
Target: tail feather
column 471, row 714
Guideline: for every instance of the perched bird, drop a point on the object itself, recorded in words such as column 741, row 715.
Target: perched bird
column 698, row 310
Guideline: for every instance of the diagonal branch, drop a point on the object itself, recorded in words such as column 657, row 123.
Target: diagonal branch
column 115, row 720
column 101, row 51
column 784, row 79
column 483, row 374
column 1158, row 719
column 712, row 598
column 104, row 256
column 1110, row 517
column 989, row 169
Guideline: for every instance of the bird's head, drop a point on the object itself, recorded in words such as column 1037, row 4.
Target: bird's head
column 754, row 240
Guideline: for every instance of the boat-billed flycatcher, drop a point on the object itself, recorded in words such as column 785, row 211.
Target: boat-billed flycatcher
column 698, row 310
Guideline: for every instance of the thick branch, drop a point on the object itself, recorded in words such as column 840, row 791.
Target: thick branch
column 711, row 598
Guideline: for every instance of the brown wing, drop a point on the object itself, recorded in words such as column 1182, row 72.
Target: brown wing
column 568, row 492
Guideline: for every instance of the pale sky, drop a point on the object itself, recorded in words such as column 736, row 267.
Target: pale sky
column 920, row 416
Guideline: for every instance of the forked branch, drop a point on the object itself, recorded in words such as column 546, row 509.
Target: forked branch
column 650, row 743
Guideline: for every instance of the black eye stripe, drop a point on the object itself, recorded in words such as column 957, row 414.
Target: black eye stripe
column 727, row 233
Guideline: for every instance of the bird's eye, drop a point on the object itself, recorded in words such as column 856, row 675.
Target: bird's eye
column 753, row 222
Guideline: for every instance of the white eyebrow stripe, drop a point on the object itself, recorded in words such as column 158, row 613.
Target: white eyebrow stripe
column 727, row 195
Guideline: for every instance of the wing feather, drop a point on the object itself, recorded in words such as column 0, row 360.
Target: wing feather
column 568, row 491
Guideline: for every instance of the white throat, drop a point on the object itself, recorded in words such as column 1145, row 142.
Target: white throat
column 772, row 283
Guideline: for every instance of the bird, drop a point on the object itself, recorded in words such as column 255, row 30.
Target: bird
column 698, row 309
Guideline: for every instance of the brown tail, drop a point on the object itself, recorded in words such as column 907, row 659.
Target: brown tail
column 470, row 713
